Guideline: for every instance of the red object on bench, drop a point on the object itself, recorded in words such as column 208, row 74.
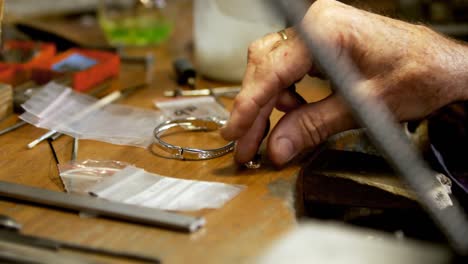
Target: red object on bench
column 105, row 65
column 15, row 73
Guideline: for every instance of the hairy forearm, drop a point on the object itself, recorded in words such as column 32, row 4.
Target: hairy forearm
column 453, row 60
column 460, row 72
column 443, row 67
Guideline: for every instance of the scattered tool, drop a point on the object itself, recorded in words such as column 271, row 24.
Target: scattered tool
column 11, row 233
column 13, row 127
column 216, row 92
column 100, row 207
column 54, row 153
column 9, row 223
column 57, row 162
column 56, row 136
column 74, row 155
column 185, row 72
column 11, row 252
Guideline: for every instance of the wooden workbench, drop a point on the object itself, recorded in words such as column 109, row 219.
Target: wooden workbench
column 236, row 233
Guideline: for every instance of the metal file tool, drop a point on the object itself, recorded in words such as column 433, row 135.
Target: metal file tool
column 100, row 207
column 11, row 252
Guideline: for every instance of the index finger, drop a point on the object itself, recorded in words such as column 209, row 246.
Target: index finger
column 273, row 65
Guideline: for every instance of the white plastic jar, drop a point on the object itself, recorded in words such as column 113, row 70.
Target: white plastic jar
column 223, row 30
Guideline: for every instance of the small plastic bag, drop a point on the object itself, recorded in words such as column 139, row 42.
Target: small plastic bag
column 57, row 107
column 119, row 124
column 78, row 176
column 53, row 105
column 139, row 187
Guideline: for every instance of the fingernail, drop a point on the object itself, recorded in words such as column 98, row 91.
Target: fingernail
column 285, row 150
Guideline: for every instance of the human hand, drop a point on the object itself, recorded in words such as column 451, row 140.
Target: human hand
column 410, row 68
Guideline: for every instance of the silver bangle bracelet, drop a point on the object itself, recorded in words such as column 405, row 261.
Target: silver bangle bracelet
column 191, row 124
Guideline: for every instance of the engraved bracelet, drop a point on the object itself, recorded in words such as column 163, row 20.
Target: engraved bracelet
column 191, row 124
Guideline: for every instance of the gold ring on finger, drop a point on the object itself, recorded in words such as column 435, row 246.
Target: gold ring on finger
column 283, row 34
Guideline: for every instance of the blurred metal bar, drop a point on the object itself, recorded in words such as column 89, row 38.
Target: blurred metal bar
column 13, row 127
column 101, row 207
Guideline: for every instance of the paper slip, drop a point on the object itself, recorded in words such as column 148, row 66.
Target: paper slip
column 138, row 187
column 79, row 176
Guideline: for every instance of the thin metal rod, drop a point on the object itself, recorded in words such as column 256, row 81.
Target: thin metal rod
column 11, row 252
column 41, row 138
column 54, row 153
column 56, row 136
column 383, row 130
column 74, row 155
column 57, row 162
column 101, row 207
column 13, row 127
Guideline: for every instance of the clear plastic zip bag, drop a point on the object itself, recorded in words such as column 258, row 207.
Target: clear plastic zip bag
column 121, row 182
column 119, row 124
column 78, row 176
column 138, row 187
column 56, row 107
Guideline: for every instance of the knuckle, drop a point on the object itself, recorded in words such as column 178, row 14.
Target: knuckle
column 320, row 5
column 237, row 104
column 333, row 21
column 326, row 11
column 254, row 49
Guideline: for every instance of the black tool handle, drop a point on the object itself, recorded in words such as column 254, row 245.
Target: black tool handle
column 185, row 72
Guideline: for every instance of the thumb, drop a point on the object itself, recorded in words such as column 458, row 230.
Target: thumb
column 307, row 127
